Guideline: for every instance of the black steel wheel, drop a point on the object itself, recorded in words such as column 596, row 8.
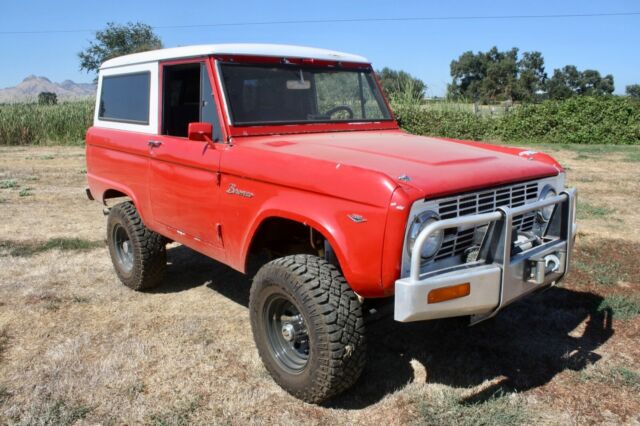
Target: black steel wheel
column 123, row 248
column 138, row 254
column 287, row 336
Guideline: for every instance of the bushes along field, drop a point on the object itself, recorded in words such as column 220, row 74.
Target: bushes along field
column 581, row 120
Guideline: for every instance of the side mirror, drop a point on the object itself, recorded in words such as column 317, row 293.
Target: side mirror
column 200, row 132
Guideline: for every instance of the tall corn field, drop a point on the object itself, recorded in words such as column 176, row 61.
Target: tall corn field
column 33, row 124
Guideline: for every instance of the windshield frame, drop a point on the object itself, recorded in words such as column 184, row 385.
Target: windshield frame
column 306, row 125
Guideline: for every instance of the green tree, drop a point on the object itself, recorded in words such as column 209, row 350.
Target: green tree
column 569, row 81
column 401, row 84
column 117, row 40
column 633, row 91
column 468, row 72
column 531, row 76
column 47, row 98
column 497, row 75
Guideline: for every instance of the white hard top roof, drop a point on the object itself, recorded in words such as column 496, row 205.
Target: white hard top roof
column 278, row 50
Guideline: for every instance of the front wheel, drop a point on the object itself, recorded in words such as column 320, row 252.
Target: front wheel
column 308, row 327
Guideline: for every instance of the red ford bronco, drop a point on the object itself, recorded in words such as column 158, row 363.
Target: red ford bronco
column 292, row 155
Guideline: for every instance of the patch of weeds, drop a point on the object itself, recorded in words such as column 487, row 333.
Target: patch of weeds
column 4, row 394
column 8, row 184
column 598, row 149
column 80, row 299
column 52, row 305
column 605, row 274
column 584, row 157
column 625, row 376
column 29, row 248
column 59, row 413
column 448, row 409
column 136, row 389
column 26, row 192
column 40, row 157
column 180, row 415
column 83, row 171
column 589, row 211
column 3, row 200
column 52, row 302
column 581, row 266
column 632, row 157
column 32, row 178
column 4, row 341
column 622, row 307
column 71, row 244
column 615, row 376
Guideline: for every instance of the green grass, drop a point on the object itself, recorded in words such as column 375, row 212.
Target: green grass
column 60, row 413
column 26, row 192
column 448, row 409
column 605, row 274
column 33, row 124
column 630, row 153
column 8, row 184
column 622, row 307
column 625, row 376
column 23, row 249
column 590, row 211
column 633, row 157
column 617, row 376
column 3, row 200
column 179, row 415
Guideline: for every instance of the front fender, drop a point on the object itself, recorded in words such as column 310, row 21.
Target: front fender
column 358, row 246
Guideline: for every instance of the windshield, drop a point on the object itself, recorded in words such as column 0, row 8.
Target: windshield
column 287, row 94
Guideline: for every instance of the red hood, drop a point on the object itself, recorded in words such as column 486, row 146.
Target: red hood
column 434, row 166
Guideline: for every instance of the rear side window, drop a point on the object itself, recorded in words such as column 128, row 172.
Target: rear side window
column 125, row 98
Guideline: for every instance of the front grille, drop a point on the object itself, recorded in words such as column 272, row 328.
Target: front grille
column 456, row 242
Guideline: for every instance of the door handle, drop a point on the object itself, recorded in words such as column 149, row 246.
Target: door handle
column 154, row 144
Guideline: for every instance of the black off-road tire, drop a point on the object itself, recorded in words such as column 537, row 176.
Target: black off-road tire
column 148, row 254
column 333, row 319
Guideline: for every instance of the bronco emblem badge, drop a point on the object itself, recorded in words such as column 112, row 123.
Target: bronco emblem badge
column 233, row 189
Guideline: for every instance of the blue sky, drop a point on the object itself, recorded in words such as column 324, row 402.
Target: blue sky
column 425, row 49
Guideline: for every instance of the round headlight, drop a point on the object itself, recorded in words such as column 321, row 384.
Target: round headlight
column 546, row 212
column 433, row 243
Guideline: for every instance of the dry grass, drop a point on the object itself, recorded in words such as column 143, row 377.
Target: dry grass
column 76, row 347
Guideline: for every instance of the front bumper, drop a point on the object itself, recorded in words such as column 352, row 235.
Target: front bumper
column 501, row 275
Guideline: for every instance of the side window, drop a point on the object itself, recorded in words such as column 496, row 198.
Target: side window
column 125, row 98
column 187, row 98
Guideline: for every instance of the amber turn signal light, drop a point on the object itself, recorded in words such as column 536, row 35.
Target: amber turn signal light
column 447, row 293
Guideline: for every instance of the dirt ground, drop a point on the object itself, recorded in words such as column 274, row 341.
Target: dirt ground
column 77, row 347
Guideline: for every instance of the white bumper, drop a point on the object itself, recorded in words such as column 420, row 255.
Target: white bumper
column 500, row 277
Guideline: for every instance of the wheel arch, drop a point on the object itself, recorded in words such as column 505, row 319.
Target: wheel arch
column 288, row 219
column 110, row 190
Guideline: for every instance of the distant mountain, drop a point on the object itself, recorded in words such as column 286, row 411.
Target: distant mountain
column 31, row 86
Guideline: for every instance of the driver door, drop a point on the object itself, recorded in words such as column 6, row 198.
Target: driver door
column 183, row 174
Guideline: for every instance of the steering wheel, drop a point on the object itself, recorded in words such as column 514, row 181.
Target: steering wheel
column 338, row 109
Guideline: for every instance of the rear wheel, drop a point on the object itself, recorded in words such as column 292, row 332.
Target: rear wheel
column 308, row 327
column 139, row 255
